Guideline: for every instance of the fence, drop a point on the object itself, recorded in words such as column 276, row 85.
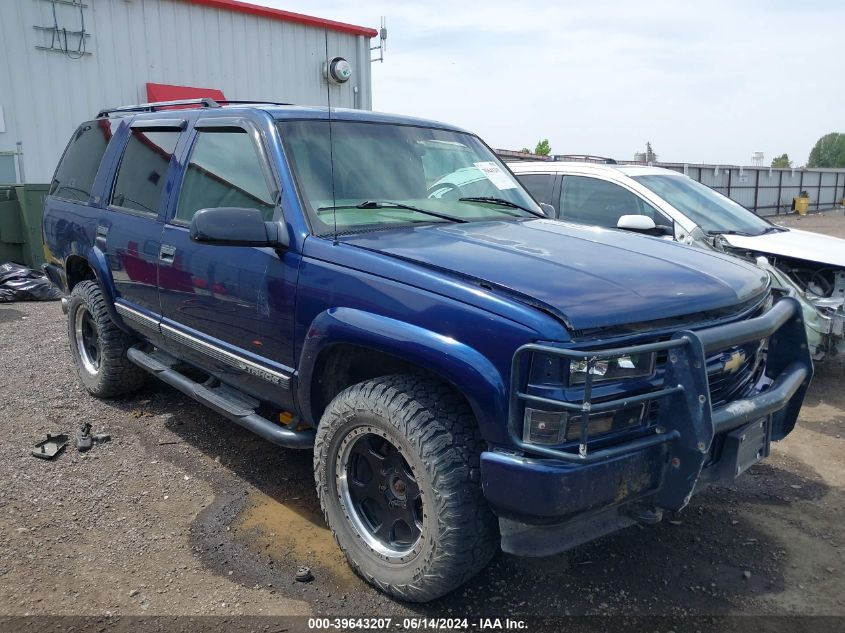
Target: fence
column 769, row 190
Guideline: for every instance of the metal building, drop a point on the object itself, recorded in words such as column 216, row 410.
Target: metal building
column 61, row 61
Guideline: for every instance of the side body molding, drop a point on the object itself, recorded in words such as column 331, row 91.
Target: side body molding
column 464, row 367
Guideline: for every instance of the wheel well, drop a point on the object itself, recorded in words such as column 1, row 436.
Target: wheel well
column 77, row 269
column 343, row 365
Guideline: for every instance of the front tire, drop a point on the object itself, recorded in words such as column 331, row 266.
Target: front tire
column 396, row 462
column 98, row 346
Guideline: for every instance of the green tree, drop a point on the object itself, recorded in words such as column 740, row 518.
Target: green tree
column 525, row 150
column 829, row 151
column 543, row 148
column 782, row 161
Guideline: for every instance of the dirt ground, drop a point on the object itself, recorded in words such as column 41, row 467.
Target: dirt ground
column 184, row 513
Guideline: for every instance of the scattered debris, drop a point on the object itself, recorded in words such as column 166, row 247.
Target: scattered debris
column 19, row 283
column 101, row 438
column 83, row 438
column 746, row 574
column 50, row 447
column 303, row 574
column 133, row 593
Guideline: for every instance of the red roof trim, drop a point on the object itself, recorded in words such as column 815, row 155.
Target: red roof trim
column 168, row 92
column 287, row 16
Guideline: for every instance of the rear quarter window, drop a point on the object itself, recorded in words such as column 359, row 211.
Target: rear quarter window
column 79, row 164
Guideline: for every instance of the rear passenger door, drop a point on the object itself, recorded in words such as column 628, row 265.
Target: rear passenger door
column 129, row 231
column 212, row 295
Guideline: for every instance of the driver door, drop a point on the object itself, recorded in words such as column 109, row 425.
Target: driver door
column 213, row 297
column 598, row 202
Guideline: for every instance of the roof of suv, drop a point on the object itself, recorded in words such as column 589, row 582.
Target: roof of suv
column 560, row 167
column 278, row 111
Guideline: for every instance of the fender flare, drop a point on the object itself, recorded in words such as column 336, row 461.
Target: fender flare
column 466, row 369
column 97, row 262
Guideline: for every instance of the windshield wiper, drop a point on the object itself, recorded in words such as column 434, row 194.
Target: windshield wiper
column 501, row 202
column 730, row 232
column 386, row 204
column 773, row 229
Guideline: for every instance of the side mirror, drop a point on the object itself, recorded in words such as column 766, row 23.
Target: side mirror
column 636, row 223
column 236, row 226
column 549, row 210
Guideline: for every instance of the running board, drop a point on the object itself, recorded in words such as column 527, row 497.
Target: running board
column 224, row 400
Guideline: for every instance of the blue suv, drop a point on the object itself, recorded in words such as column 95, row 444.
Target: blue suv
column 381, row 290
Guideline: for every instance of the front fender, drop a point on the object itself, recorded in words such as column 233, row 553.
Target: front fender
column 470, row 372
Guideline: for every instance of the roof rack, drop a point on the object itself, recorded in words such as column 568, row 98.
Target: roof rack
column 204, row 102
column 584, row 158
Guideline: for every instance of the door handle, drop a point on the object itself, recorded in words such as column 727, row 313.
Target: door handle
column 167, row 253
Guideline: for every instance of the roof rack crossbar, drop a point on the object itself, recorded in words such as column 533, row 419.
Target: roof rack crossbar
column 205, row 102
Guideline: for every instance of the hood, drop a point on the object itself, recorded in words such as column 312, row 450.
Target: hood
column 588, row 276
column 811, row 247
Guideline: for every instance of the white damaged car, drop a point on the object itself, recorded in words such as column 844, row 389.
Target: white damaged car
column 808, row 266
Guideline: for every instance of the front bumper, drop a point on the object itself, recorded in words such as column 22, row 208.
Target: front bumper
column 690, row 445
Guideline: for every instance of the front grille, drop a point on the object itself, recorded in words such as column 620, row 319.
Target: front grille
column 733, row 382
column 727, row 385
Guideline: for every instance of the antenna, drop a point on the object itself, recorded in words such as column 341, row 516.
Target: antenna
column 331, row 142
column 382, row 42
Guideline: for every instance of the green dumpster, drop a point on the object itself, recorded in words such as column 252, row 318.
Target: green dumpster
column 31, row 199
column 11, row 229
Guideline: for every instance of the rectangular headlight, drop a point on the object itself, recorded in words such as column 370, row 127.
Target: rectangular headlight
column 557, row 427
column 620, row 368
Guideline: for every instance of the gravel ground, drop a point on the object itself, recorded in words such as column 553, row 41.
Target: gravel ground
column 186, row 513
column 830, row 222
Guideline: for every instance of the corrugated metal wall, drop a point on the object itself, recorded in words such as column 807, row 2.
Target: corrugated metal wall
column 769, row 191
column 45, row 94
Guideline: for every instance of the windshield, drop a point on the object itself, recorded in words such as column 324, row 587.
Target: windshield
column 709, row 209
column 387, row 175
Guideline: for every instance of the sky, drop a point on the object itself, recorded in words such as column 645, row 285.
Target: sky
column 707, row 82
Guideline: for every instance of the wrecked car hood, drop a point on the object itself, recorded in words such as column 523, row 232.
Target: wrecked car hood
column 796, row 244
column 589, row 276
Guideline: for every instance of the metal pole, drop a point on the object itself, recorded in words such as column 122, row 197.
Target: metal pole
column 21, row 174
column 730, row 171
column 756, row 190
column 780, row 187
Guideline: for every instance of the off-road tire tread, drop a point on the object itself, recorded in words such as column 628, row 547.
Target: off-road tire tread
column 118, row 375
column 441, row 427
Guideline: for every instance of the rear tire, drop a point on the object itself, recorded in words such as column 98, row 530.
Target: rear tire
column 98, row 346
column 396, row 462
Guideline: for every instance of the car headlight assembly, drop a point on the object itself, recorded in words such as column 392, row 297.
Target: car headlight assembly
column 610, row 369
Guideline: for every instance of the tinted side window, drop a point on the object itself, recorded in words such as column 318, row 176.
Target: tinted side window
column 224, row 171
column 143, row 169
column 539, row 185
column 78, row 166
column 594, row 201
